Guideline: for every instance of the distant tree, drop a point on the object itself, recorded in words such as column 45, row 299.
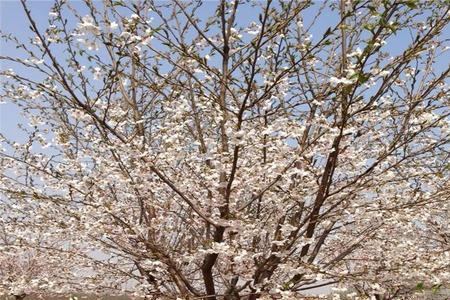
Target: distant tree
column 232, row 149
column 24, row 269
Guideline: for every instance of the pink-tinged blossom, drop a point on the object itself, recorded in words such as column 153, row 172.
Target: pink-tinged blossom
column 87, row 26
column 191, row 157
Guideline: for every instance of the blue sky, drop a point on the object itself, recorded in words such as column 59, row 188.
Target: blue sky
column 13, row 20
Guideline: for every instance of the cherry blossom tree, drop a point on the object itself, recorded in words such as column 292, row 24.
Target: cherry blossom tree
column 230, row 150
column 26, row 269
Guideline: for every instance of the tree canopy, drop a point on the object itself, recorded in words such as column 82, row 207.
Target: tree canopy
column 227, row 150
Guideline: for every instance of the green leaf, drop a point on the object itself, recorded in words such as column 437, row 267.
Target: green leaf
column 393, row 27
column 372, row 9
column 420, row 286
column 435, row 288
column 411, row 3
column 118, row 3
column 362, row 78
column 368, row 26
column 286, row 286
